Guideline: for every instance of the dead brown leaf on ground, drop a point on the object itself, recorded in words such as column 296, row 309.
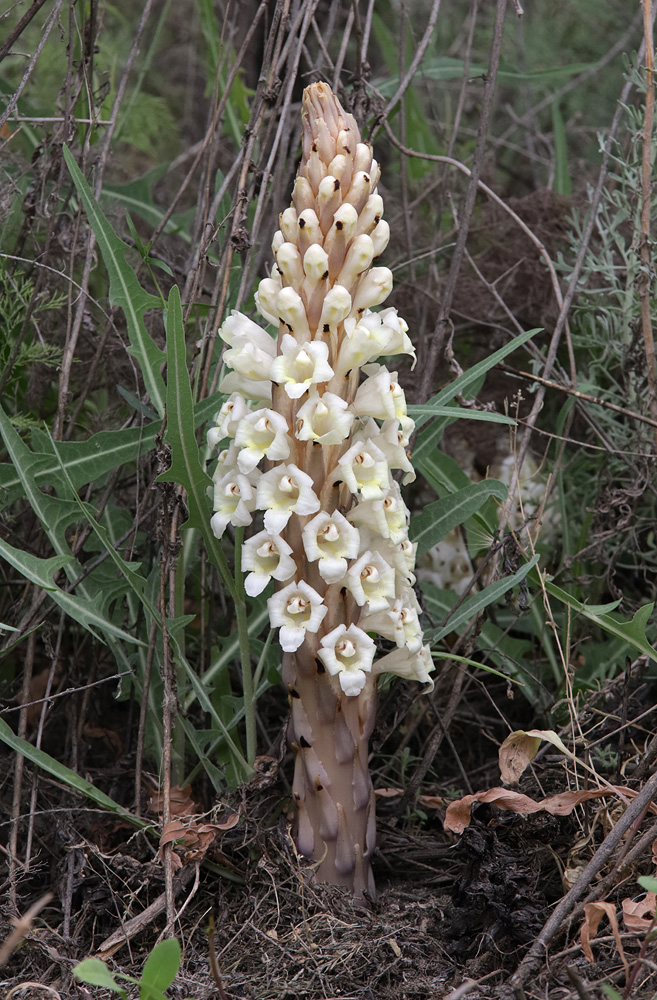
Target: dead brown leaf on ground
column 593, row 914
column 457, row 816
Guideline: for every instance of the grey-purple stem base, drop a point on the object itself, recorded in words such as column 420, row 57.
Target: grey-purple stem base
column 335, row 823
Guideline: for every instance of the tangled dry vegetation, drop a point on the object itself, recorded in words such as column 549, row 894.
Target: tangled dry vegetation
column 146, row 788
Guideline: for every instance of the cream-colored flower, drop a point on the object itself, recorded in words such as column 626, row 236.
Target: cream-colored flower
column 372, row 581
column 227, row 420
column 238, row 330
column 400, row 623
column 260, row 434
column 332, row 540
column 299, row 366
column 411, row 666
column 296, row 609
column 388, row 514
column 324, row 419
column 234, row 499
column 348, row 653
column 365, row 470
column 283, row 491
column 267, row 557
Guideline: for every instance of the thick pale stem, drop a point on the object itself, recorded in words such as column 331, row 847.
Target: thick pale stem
column 329, row 733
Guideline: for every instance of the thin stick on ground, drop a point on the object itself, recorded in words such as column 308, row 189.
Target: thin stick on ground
column 556, row 924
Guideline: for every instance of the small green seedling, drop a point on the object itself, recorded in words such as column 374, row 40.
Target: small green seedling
column 160, row 970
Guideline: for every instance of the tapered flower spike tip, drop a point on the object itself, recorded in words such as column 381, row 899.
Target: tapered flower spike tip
column 325, row 122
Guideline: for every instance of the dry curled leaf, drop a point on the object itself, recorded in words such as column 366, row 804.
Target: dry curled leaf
column 197, row 838
column 181, row 802
column 593, row 914
column 634, row 914
column 457, row 816
column 516, row 753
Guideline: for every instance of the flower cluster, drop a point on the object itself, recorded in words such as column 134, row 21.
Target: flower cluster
column 317, row 427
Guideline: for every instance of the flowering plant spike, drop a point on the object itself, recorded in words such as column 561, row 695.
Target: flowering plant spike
column 317, row 428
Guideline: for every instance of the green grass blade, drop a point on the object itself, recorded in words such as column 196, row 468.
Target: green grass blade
column 124, row 289
column 186, row 468
column 477, row 602
column 463, row 382
column 64, row 774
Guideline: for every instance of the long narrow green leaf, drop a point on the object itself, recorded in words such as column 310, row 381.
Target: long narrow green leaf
column 463, row 382
column 65, row 774
column 453, row 413
column 186, row 469
column 439, row 518
column 477, row 602
column 124, row 291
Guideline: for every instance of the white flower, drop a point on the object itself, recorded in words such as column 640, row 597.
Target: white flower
column 283, row 491
column 372, row 212
column 226, row 460
column 267, row 557
column 266, row 296
column 315, row 264
column 398, row 341
column 288, row 260
column 348, row 652
column 300, row 365
column 331, row 539
column 336, row 308
column 389, row 515
column 399, row 555
column 249, row 360
column 325, row 419
column 239, row 329
column 252, row 388
column 292, row 312
column 259, row 434
column 234, row 499
column 296, row 609
column 358, row 258
column 374, row 288
column 365, row 470
column 380, row 237
column 389, row 441
column 401, row 622
column 372, row 581
column 227, row 420
column 412, row 666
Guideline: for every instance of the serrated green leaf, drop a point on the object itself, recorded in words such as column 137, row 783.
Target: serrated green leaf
column 160, row 969
column 439, row 518
column 124, row 289
column 88, row 612
column 633, row 631
column 478, row 602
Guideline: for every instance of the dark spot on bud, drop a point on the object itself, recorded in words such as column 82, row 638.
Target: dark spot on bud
column 302, row 223
column 336, row 185
column 377, row 219
column 347, row 150
column 303, row 742
column 321, row 669
column 367, row 178
column 339, row 225
column 319, row 787
column 289, row 328
column 293, row 692
column 326, row 329
column 297, row 797
column 314, row 147
column 325, row 276
column 343, row 591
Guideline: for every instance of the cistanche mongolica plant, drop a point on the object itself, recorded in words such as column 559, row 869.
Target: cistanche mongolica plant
column 318, row 432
